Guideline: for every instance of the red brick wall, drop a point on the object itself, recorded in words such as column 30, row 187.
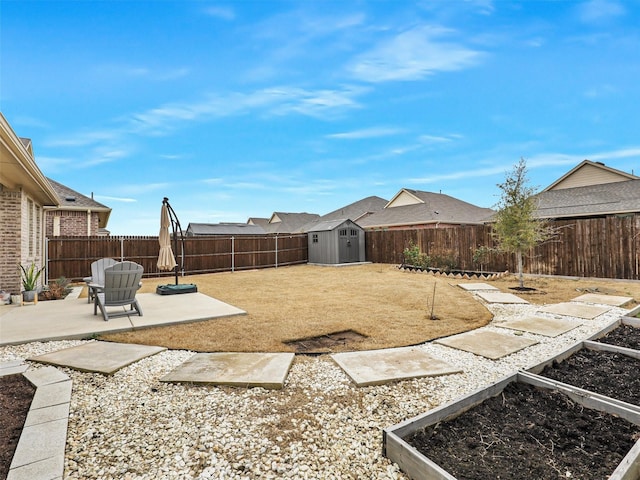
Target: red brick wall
column 72, row 223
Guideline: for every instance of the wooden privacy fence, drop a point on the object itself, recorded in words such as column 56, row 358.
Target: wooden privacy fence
column 607, row 247
column 71, row 257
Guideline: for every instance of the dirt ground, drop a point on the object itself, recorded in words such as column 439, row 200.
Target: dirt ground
column 388, row 306
column 16, row 393
column 526, row 433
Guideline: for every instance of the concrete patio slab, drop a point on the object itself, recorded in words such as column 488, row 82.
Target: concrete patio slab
column 101, row 357
column 376, row 367
column 74, row 318
column 549, row 327
column 500, row 297
column 267, row 370
column 613, row 300
column 575, row 309
column 472, row 287
column 487, row 343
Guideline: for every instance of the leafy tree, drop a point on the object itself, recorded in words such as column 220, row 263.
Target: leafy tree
column 516, row 228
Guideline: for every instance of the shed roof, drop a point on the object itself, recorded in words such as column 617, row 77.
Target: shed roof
column 328, row 225
column 591, row 200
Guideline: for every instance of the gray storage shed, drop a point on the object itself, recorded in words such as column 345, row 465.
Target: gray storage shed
column 336, row 241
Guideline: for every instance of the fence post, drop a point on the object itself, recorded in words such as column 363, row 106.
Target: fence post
column 122, row 249
column 233, row 253
column 276, row 250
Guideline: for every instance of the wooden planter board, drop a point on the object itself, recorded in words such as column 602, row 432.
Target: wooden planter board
column 597, row 346
column 632, row 315
column 418, row 466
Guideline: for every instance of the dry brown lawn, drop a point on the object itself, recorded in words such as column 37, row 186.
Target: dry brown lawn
column 389, row 307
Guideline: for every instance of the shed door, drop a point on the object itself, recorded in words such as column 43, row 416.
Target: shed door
column 348, row 245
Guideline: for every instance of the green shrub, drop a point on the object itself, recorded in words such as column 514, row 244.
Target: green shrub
column 413, row 256
column 445, row 261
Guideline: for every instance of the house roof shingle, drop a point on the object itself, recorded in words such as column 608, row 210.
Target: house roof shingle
column 603, row 199
column 69, row 199
column 283, row 222
column 224, row 229
column 431, row 208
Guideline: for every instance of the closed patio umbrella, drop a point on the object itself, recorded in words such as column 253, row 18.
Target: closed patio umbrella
column 166, row 260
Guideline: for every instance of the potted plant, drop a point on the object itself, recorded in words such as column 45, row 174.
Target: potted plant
column 30, row 278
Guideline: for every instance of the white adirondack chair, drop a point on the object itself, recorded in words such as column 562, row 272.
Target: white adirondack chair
column 121, row 282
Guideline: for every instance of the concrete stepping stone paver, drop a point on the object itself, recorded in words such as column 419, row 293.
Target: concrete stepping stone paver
column 101, row 357
column 549, row 327
column 613, row 300
column 500, row 297
column 39, row 454
column 472, row 287
column 376, row 367
column 575, row 309
column 487, row 343
column 267, row 370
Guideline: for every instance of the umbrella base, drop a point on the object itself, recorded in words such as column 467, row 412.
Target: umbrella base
column 176, row 289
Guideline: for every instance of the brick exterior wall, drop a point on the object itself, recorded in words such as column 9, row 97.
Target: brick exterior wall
column 72, row 223
column 10, row 240
column 20, row 237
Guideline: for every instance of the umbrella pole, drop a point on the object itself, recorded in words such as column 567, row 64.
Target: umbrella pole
column 175, row 226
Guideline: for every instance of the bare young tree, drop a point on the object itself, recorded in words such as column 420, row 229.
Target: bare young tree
column 516, row 227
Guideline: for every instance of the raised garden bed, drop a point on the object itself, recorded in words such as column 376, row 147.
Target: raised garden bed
column 624, row 332
column 607, row 371
column 522, row 427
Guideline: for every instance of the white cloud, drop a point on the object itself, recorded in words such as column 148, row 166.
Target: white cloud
column 223, row 13
column 413, row 55
column 434, row 139
column 275, row 100
column 114, row 199
column 596, row 11
column 373, row 132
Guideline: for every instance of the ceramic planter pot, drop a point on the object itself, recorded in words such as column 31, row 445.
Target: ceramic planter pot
column 29, row 295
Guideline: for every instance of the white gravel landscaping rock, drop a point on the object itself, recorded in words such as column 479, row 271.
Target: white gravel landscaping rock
column 320, row 426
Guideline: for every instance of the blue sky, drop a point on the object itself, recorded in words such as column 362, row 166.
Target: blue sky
column 239, row 109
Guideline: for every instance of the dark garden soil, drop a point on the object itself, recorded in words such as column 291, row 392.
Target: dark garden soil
column 528, row 433
column 623, row 336
column 16, row 393
column 607, row 373
column 326, row 343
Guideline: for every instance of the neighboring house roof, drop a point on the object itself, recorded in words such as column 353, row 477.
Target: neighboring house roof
column 414, row 207
column 357, row 210
column 282, row 222
column 224, row 229
column 70, row 200
column 590, row 173
column 263, row 222
column 328, row 225
column 18, row 167
column 592, row 200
